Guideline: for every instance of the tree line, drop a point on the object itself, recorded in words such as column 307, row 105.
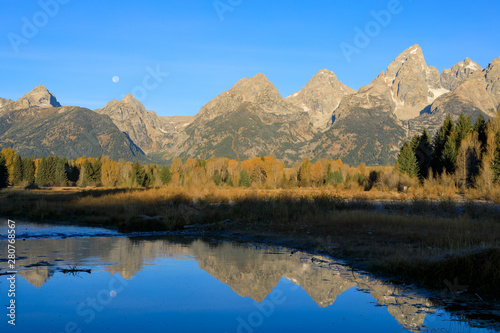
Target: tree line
column 265, row 171
column 469, row 152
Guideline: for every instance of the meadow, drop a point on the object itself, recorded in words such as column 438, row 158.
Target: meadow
column 413, row 237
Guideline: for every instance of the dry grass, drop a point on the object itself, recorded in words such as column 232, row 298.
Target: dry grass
column 401, row 235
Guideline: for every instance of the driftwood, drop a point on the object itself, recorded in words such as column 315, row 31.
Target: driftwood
column 202, row 226
column 74, row 270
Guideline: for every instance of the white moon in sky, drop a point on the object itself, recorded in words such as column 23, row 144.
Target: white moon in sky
column 115, row 79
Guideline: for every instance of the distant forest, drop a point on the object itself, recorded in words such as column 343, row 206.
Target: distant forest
column 461, row 155
column 469, row 152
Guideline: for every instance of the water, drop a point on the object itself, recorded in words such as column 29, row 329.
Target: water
column 73, row 279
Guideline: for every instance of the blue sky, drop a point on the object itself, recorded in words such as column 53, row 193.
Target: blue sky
column 79, row 46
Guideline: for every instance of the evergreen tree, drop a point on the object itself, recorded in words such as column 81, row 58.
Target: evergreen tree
column 407, row 161
column 28, row 170
column 51, row 170
column 43, row 173
column 481, row 128
column 87, row 173
column 165, row 175
column 423, row 153
column 463, row 127
column 61, row 175
column 496, row 158
column 217, row 179
column 138, row 174
column 449, row 155
column 229, row 181
column 73, row 172
column 415, row 140
column 468, row 160
column 148, row 179
column 334, row 178
column 440, row 140
column 17, row 173
column 244, row 179
column 4, row 173
column 97, row 168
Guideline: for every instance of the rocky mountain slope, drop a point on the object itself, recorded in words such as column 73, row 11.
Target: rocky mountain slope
column 326, row 119
column 322, row 94
column 477, row 92
column 248, row 120
column 146, row 129
column 37, row 125
column 453, row 77
column 370, row 125
column 4, row 102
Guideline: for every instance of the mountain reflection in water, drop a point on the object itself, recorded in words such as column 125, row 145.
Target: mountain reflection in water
column 250, row 270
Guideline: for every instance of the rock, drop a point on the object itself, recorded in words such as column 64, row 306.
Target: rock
column 452, row 78
column 38, row 97
column 146, row 129
column 320, row 97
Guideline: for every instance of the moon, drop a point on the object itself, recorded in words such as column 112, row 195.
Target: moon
column 115, row 79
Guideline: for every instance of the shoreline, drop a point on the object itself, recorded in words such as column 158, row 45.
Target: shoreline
column 401, row 240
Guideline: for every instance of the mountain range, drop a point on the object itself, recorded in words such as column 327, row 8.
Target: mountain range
column 325, row 119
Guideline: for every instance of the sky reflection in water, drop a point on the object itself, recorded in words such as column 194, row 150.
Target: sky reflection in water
column 165, row 284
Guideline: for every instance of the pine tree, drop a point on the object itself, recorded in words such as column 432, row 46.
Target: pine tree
column 423, row 153
column 51, row 170
column 17, row 173
column 468, row 158
column 481, row 128
column 28, row 171
column 462, row 129
column 217, row 179
column 86, row 173
column 334, row 178
column 165, row 175
column 496, row 159
column 244, row 179
column 61, row 175
column 449, row 155
column 407, row 161
column 229, row 181
column 138, row 174
column 148, row 179
column 97, row 168
column 4, row 173
column 439, row 142
column 415, row 140
column 43, row 173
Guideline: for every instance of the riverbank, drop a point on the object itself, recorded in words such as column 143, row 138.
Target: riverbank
column 448, row 244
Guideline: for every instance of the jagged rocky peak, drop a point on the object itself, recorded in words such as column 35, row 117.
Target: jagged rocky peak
column 480, row 92
column 130, row 99
column 122, row 110
column 38, row 97
column 130, row 116
column 451, row 78
column 413, row 84
column 411, row 56
column 325, row 80
column 320, row 97
column 256, row 89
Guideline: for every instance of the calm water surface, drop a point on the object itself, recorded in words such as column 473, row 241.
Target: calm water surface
column 73, row 279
